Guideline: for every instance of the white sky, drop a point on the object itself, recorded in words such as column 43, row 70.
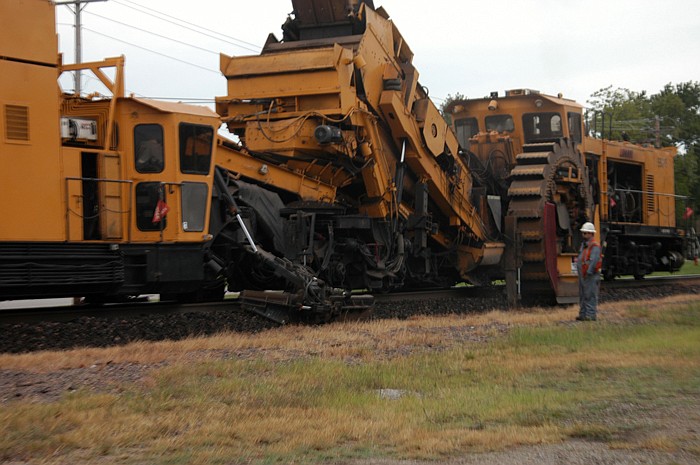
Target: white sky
column 472, row 47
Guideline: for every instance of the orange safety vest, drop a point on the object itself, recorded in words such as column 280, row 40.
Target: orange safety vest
column 587, row 258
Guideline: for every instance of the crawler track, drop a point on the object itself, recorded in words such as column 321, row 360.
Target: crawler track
column 63, row 328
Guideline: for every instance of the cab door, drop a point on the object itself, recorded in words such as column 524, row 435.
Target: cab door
column 150, row 190
column 111, row 190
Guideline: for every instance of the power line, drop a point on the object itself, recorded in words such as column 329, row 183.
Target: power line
column 152, row 51
column 153, row 33
column 193, row 24
column 214, row 34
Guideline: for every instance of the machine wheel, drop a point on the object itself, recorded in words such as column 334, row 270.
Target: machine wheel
column 552, row 173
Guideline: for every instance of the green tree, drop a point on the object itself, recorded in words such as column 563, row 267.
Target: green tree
column 447, row 102
column 681, row 105
column 626, row 113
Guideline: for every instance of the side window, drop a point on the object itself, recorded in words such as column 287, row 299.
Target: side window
column 466, row 128
column 575, row 127
column 555, row 124
column 148, row 195
column 194, row 202
column 500, row 123
column 195, row 148
column 542, row 127
column 148, row 148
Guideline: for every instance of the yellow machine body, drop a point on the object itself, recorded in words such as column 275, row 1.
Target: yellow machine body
column 341, row 174
column 630, row 186
column 110, row 196
column 364, row 87
column 29, row 123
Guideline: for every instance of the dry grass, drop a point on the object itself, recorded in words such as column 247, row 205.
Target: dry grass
column 365, row 340
column 304, row 394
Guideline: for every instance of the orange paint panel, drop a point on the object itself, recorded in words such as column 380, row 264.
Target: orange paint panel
column 33, row 194
column 28, row 30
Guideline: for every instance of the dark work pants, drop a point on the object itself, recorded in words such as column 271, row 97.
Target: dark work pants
column 588, row 290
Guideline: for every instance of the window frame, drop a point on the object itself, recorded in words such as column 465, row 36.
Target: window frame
column 576, row 136
column 141, row 208
column 189, row 204
column 183, row 139
column 504, row 118
column 459, row 129
column 546, row 118
column 139, row 165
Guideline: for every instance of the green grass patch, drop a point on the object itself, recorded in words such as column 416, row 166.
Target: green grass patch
column 529, row 386
column 688, row 268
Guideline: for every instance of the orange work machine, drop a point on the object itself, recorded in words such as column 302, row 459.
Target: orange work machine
column 108, row 198
column 554, row 177
column 341, row 175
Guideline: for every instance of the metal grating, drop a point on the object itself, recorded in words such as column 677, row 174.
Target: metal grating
column 651, row 202
column 17, row 122
column 53, row 265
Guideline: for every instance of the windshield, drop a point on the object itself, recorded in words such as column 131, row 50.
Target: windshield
column 500, row 123
column 542, row 127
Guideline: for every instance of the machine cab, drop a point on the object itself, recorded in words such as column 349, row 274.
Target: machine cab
column 526, row 116
column 152, row 184
column 169, row 158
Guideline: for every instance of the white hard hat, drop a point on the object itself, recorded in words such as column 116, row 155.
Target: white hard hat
column 588, row 227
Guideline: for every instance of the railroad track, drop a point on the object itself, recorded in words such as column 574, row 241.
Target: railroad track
column 54, row 328
column 143, row 308
column 117, row 310
column 492, row 291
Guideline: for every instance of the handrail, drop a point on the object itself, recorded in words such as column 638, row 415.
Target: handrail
column 127, row 227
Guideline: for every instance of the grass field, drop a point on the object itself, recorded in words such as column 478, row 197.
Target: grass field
column 688, row 268
column 423, row 388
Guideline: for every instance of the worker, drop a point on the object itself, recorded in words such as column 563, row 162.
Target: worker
column 589, row 263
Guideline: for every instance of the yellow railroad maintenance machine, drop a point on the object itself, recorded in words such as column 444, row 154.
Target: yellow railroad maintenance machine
column 342, row 176
column 556, row 177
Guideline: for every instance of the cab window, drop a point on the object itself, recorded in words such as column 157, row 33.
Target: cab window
column 542, row 127
column 194, row 203
column 466, row 128
column 500, row 123
column 195, row 148
column 148, row 148
column 575, row 126
column 148, row 195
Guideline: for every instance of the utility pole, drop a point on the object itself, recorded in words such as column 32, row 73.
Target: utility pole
column 78, row 6
column 657, row 131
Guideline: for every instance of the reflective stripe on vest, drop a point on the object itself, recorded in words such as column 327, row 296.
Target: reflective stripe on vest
column 587, row 258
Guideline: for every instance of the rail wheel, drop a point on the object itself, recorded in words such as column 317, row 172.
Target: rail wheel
column 549, row 198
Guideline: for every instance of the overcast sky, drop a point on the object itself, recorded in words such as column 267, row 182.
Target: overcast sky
column 471, row 47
